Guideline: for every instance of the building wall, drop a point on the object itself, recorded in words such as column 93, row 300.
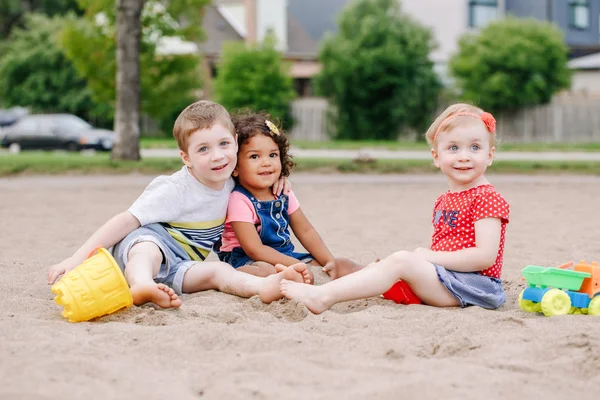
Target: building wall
column 538, row 9
column 557, row 11
column 271, row 15
column 574, row 37
column 586, row 82
column 448, row 20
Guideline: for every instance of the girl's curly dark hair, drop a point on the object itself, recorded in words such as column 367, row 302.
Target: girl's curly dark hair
column 249, row 124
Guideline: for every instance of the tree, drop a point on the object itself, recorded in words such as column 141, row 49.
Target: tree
column 12, row 12
column 377, row 72
column 35, row 73
column 254, row 77
column 115, row 50
column 511, row 63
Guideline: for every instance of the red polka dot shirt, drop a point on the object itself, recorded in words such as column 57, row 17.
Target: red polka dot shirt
column 454, row 216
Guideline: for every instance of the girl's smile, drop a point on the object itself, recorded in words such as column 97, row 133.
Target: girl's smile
column 463, row 155
column 259, row 164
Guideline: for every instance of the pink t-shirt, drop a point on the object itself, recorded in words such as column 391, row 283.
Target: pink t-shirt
column 240, row 209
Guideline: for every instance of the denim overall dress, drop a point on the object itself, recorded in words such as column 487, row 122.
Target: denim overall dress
column 274, row 232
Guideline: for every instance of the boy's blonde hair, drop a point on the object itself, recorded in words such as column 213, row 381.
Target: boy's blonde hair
column 202, row 114
column 443, row 124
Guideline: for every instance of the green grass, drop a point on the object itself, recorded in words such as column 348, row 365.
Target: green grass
column 158, row 143
column 60, row 163
column 169, row 143
column 64, row 163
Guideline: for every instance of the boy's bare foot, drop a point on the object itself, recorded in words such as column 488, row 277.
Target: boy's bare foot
column 306, row 294
column 341, row 267
column 270, row 290
column 159, row 294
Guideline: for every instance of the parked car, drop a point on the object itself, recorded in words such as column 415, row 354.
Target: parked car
column 55, row 131
column 11, row 115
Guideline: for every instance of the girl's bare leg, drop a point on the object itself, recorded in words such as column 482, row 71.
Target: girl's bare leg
column 259, row 268
column 374, row 280
column 223, row 277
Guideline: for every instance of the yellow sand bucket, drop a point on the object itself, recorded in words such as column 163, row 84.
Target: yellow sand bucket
column 96, row 287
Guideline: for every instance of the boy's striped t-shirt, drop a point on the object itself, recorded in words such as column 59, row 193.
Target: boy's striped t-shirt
column 193, row 214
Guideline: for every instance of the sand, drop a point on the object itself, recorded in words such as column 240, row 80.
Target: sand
column 220, row 346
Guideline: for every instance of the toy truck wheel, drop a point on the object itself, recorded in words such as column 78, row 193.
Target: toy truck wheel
column 555, row 302
column 528, row 305
column 594, row 306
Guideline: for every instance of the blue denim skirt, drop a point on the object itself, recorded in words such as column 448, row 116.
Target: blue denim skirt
column 472, row 288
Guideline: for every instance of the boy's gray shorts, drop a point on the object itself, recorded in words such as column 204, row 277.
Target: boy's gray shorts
column 175, row 262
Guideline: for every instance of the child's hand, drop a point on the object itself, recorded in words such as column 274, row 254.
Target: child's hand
column 340, row 266
column 61, row 268
column 282, row 185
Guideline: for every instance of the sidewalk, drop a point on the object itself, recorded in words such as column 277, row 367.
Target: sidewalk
column 409, row 155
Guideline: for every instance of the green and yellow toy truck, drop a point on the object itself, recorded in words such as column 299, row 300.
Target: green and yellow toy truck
column 560, row 290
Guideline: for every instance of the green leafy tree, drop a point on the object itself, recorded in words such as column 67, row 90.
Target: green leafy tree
column 115, row 49
column 34, row 73
column 12, row 12
column 377, row 72
column 254, row 77
column 511, row 63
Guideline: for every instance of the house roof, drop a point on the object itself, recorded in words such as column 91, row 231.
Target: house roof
column 300, row 44
column 219, row 28
column 317, row 16
column 591, row 61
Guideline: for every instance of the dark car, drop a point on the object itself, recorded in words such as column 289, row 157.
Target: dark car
column 55, row 131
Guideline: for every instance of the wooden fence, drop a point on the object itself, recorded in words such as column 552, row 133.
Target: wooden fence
column 566, row 119
column 563, row 120
column 310, row 119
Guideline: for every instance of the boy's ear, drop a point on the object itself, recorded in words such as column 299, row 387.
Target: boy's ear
column 185, row 158
column 435, row 157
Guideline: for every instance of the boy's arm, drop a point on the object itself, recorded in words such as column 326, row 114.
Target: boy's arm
column 250, row 241
column 109, row 234
column 480, row 257
column 309, row 237
column 283, row 185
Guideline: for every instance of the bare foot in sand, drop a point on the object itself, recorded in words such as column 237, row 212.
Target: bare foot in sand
column 308, row 295
column 159, row 294
column 341, row 267
column 295, row 273
column 307, row 276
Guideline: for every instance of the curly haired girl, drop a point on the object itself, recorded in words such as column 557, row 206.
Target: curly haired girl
column 256, row 236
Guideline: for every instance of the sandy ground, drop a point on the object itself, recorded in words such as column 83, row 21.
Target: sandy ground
column 217, row 345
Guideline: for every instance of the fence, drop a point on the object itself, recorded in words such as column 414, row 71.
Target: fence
column 566, row 119
column 572, row 119
column 310, row 119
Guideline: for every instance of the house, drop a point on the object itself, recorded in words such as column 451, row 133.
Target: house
column 586, row 75
column 450, row 19
column 251, row 20
column 578, row 19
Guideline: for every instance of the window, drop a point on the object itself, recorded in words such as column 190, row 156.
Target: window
column 579, row 14
column 26, row 127
column 481, row 12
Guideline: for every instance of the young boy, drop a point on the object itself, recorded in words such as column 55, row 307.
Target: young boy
column 161, row 241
